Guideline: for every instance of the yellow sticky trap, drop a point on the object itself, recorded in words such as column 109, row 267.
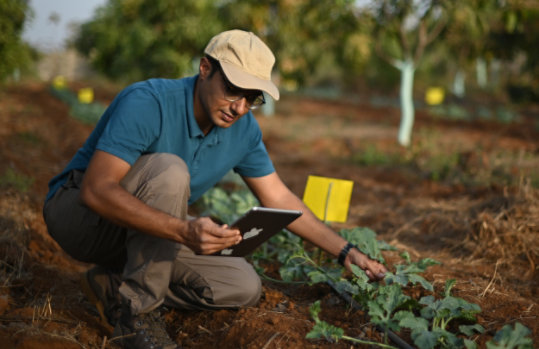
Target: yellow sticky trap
column 86, row 95
column 59, row 82
column 434, row 95
column 328, row 198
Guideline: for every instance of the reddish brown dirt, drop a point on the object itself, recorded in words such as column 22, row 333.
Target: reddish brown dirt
column 484, row 235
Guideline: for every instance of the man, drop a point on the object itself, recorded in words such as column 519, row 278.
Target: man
column 122, row 201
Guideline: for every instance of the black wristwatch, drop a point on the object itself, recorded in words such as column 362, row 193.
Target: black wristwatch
column 344, row 252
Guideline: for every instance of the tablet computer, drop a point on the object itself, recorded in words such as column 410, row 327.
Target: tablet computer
column 257, row 226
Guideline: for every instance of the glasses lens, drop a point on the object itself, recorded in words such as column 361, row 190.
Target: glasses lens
column 256, row 101
column 233, row 94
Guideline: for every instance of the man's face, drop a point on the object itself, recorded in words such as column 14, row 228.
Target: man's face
column 222, row 103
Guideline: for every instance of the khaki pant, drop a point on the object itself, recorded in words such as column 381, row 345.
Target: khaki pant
column 154, row 271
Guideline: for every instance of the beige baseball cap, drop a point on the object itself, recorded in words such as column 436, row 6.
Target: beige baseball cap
column 246, row 60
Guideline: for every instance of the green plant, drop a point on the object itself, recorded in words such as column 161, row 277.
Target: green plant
column 384, row 305
column 15, row 55
column 431, row 328
column 408, row 273
column 372, row 156
column 365, row 239
column 434, row 322
column 89, row 113
column 227, row 206
column 322, row 329
column 511, row 337
column 16, row 180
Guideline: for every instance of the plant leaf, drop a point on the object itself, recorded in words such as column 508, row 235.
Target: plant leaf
column 508, row 338
column 425, row 339
column 470, row 330
column 418, row 279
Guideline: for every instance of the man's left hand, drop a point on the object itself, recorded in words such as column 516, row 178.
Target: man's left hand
column 374, row 270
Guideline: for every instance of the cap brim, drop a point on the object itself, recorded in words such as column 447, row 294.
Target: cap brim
column 247, row 81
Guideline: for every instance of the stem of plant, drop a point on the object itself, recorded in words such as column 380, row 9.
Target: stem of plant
column 360, row 341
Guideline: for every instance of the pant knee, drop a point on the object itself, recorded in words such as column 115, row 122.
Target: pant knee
column 162, row 171
column 253, row 292
column 243, row 291
column 162, row 181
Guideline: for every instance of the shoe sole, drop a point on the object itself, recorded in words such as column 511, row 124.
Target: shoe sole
column 94, row 299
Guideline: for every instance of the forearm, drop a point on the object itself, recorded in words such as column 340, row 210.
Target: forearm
column 272, row 192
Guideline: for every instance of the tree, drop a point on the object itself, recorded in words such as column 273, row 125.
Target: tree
column 137, row 39
column 14, row 54
column 305, row 35
column 466, row 38
column 403, row 31
column 514, row 37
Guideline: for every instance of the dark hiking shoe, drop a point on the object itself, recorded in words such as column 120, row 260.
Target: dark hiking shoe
column 143, row 331
column 101, row 288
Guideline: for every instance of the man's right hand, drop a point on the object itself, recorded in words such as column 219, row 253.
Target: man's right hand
column 204, row 236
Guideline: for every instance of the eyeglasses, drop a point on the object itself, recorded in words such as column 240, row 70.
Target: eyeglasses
column 234, row 94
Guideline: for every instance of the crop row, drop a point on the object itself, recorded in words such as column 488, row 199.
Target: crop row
column 433, row 321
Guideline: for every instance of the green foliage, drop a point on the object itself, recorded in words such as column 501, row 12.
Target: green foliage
column 408, row 273
column 227, row 206
column 452, row 163
column 365, row 239
column 88, row 113
column 388, row 306
column 138, row 39
column 513, row 36
column 14, row 54
column 16, row 180
column 431, row 329
column 372, row 156
column 313, row 56
column 381, row 309
column 322, row 329
column 511, row 338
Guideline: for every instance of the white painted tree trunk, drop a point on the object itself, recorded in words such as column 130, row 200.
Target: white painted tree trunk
column 481, row 70
column 407, row 69
column 459, row 83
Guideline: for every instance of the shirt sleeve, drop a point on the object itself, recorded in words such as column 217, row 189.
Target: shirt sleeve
column 133, row 127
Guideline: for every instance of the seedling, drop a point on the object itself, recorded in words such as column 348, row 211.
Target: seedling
column 408, row 273
column 510, row 338
column 440, row 313
column 332, row 333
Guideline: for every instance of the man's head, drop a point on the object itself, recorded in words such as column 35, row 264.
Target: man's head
column 245, row 60
column 233, row 73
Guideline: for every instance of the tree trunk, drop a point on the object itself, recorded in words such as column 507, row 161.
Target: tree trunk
column 407, row 69
column 459, row 86
column 481, row 68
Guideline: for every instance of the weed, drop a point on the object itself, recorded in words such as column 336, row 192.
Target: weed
column 29, row 138
column 16, row 180
column 372, row 156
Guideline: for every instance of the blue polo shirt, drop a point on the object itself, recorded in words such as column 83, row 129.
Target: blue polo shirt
column 156, row 116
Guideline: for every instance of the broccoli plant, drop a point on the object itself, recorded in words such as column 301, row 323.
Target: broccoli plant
column 511, row 338
column 408, row 273
column 322, row 329
column 431, row 328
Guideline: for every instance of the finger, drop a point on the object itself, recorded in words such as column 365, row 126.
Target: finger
column 225, row 232
column 210, row 248
column 369, row 274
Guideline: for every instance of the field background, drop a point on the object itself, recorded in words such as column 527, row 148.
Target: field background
column 464, row 194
